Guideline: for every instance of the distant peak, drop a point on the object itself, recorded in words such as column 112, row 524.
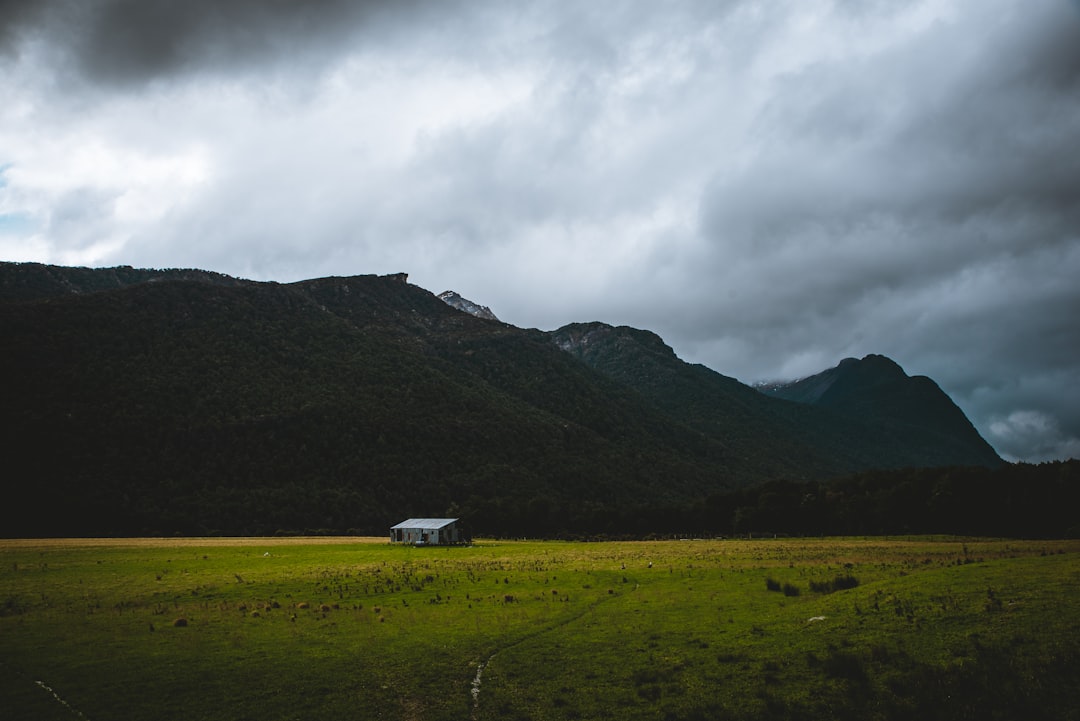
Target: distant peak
column 882, row 365
column 578, row 337
column 454, row 300
column 862, row 372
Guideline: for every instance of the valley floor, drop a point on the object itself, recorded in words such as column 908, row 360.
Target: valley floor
column 292, row 628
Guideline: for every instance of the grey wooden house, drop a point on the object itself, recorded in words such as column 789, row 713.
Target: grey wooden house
column 426, row 531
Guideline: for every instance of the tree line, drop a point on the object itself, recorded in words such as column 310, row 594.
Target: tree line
column 1016, row 500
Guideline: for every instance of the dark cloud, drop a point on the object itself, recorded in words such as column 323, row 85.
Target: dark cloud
column 135, row 40
column 15, row 16
column 131, row 42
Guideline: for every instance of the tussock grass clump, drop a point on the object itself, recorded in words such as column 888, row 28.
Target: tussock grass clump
column 838, row 583
column 788, row 589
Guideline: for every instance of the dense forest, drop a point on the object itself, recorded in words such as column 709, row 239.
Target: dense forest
column 1015, row 500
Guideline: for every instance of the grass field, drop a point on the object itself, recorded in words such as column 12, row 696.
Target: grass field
column 351, row 628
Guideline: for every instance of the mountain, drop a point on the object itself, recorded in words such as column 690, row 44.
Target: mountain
column 181, row 401
column 35, row 281
column 464, row 304
column 877, row 393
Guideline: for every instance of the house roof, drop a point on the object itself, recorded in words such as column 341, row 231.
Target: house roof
column 429, row 523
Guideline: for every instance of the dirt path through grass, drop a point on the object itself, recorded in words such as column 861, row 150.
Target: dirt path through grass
column 546, row 628
column 77, row 713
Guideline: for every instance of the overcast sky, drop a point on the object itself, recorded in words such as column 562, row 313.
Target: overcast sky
column 770, row 186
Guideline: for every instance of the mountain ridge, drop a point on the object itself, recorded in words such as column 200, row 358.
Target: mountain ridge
column 186, row 401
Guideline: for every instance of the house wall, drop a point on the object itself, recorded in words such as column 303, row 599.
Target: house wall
column 447, row 534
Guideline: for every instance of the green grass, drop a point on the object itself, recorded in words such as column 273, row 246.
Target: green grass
column 935, row 628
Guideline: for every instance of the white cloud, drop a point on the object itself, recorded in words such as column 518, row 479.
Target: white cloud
column 1032, row 437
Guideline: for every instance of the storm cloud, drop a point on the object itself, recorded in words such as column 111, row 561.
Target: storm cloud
column 770, row 187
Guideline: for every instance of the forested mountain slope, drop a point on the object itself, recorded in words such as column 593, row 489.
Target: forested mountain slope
column 877, row 394
column 141, row 401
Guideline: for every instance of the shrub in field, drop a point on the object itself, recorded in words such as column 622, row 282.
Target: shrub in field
column 839, row 583
column 787, row 589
